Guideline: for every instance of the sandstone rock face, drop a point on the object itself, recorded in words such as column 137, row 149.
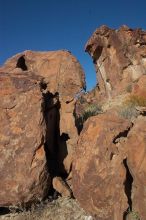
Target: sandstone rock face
column 109, row 169
column 109, row 166
column 136, row 158
column 98, row 171
column 23, row 170
column 37, row 129
column 119, row 57
column 139, row 88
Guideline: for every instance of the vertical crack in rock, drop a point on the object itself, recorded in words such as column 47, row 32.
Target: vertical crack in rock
column 52, row 117
column 78, row 122
column 55, row 143
column 128, row 187
column 21, row 63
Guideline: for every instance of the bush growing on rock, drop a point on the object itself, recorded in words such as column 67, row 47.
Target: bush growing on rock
column 128, row 110
column 91, row 110
column 84, row 111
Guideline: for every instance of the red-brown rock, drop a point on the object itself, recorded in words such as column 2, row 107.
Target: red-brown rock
column 109, row 166
column 139, row 88
column 136, row 159
column 60, row 186
column 98, row 170
column 37, row 91
column 23, row 170
column 119, row 57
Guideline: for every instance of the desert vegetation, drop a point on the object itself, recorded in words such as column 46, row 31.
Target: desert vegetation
column 128, row 109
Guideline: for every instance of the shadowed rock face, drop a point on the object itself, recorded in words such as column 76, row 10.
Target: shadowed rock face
column 119, row 57
column 37, row 129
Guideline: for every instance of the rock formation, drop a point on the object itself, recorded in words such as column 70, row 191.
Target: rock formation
column 37, row 129
column 109, row 169
column 119, row 57
column 39, row 143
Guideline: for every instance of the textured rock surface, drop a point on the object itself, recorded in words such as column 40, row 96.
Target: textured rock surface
column 62, row 74
column 136, row 159
column 119, row 57
column 109, row 166
column 23, row 170
column 37, row 92
column 139, row 88
column 98, row 172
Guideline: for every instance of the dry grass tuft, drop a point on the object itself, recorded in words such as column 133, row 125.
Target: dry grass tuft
column 128, row 109
column 60, row 209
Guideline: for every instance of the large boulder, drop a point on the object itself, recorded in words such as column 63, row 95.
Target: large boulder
column 119, row 57
column 37, row 129
column 23, row 169
column 99, row 173
column 109, row 169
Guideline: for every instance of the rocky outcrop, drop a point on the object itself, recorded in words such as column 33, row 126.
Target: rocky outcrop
column 109, row 166
column 119, row 57
column 37, row 130
column 100, row 170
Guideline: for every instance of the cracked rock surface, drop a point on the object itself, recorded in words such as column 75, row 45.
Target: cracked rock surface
column 119, row 57
column 109, row 168
column 37, row 130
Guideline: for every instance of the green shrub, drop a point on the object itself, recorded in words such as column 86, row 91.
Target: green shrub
column 91, row 110
column 82, row 100
column 129, row 88
column 128, row 112
column 133, row 215
column 88, row 111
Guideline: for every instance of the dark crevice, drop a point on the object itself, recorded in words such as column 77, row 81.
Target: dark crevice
column 43, row 85
column 97, row 54
column 122, row 134
column 78, row 122
column 64, row 137
column 52, row 117
column 21, row 63
column 55, row 143
column 128, row 187
column 143, row 113
column 4, row 210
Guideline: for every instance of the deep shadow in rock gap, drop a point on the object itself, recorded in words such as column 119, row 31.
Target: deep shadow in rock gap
column 21, row 63
column 78, row 122
column 4, row 211
column 56, row 143
column 128, row 188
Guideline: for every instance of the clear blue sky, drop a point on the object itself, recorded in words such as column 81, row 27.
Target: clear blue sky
column 63, row 24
